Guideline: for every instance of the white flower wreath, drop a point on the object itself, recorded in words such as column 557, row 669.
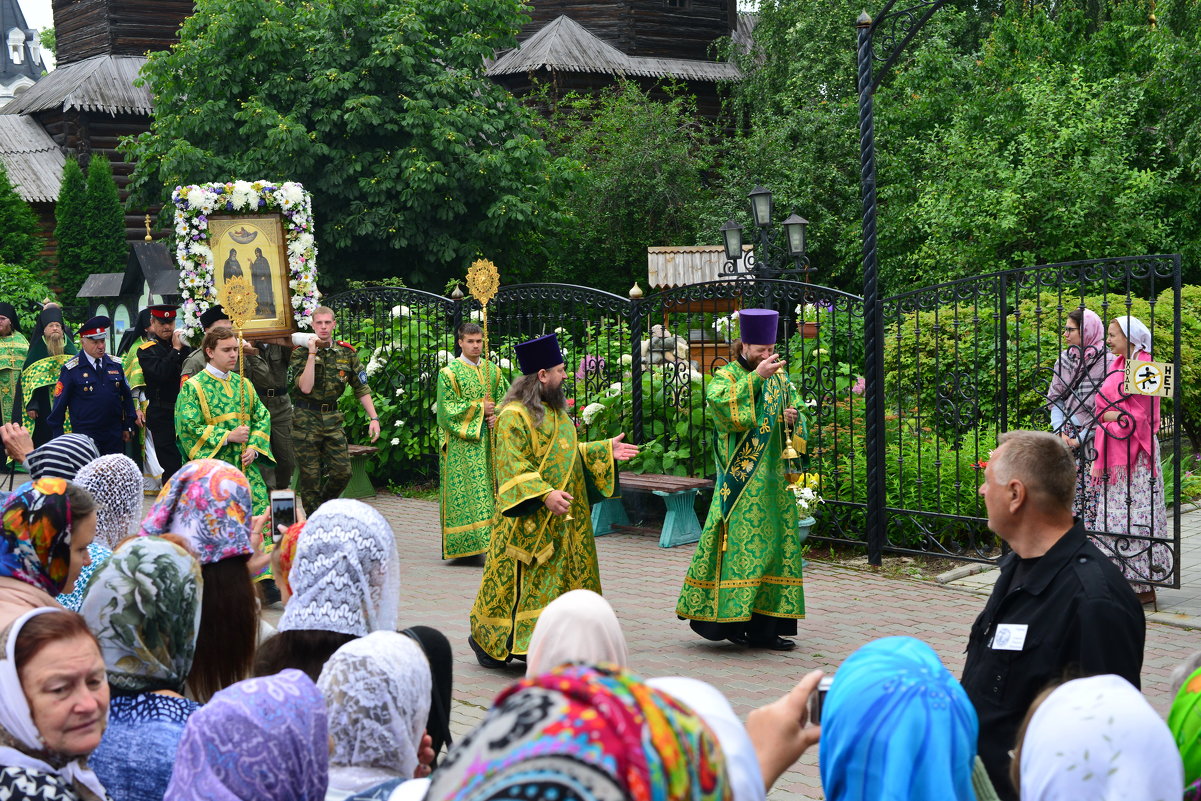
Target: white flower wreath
column 194, row 204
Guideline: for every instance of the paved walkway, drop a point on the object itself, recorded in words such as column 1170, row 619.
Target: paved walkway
column 846, row 607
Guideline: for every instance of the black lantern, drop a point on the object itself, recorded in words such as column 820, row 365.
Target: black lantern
column 794, row 228
column 761, row 206
column 731, row 235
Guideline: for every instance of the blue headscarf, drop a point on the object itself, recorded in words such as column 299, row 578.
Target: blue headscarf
column 896, row 726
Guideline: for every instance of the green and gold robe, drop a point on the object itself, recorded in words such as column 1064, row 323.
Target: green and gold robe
column 208, row 408
column 748, row 559
column 465, row 458
column 534, row 556
column 13, row 349
column 38, row 379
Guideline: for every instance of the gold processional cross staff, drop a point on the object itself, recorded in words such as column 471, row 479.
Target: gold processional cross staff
column 239, row 300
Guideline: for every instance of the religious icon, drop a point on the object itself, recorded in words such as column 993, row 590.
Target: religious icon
column 254, row 247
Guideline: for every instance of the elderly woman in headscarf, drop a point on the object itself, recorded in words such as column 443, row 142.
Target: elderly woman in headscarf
column 1078, row 374
column 53, row 701
column 582, row 731
column 897, row 725
column 345, row 583
column 1097, row 738
column 377, row 698
column 578, row 626
column 144, row 607
column 47, row 527
column 207, row 503
column 115, row 481
column 262, row 739
column 1126, row 472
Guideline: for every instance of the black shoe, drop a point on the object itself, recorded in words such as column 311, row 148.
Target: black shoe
column 777, row 644
column 271, row 594
column 483, row 657
column 739, row 639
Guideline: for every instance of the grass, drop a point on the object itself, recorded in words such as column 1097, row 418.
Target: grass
column 419, row 490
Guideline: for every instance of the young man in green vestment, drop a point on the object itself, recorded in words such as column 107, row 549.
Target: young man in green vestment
column 49, row 349
column 218, row 415
column 468, row 388
column 744, row 583
column 541, row 544
column 13, row 349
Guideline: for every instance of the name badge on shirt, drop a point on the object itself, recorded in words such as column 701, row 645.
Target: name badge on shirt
column 1009, row 637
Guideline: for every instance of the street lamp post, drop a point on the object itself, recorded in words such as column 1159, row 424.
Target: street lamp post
column 774, row 256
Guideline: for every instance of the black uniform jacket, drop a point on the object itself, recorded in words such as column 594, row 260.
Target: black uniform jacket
column 1081, row 618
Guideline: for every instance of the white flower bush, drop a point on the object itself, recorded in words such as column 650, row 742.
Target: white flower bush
column 590, row 412
column 194, row 204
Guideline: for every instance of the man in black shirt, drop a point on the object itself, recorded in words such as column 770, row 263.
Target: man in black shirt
column 161, row 358
column 1059, row 610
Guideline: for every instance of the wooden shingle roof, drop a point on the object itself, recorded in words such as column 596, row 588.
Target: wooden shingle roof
column 33, row 161
column 100, row 83
column 566, row 45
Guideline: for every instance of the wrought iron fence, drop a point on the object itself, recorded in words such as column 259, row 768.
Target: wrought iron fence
column 963, row 362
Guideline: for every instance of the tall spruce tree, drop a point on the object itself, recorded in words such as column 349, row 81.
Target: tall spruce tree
column 19, row 240
column 105, row 250
column 70, row 230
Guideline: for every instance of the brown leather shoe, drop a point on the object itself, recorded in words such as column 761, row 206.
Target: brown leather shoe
column 1147, row 597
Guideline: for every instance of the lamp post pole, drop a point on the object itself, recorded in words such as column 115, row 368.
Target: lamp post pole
column 898, row 28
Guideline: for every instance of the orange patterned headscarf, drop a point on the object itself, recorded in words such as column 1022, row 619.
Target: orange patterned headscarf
column 35, row 546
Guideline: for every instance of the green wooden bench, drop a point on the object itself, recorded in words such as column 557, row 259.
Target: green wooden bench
column 360, row 485
column 680, row 526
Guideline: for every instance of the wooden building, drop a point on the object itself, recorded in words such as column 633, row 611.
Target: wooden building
column 151, row 276
column 583, row 47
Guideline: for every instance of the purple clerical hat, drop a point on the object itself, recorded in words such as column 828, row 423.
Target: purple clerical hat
column 758, row 326
column 539, row 354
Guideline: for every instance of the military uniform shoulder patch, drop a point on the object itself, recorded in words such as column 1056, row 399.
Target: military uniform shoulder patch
column 150, row 343
column 72, row 363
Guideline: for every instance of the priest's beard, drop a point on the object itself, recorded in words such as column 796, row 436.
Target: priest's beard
column 536, row 397
column 54, row 344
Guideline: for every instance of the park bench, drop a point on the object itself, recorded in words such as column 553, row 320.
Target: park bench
column 680, row 526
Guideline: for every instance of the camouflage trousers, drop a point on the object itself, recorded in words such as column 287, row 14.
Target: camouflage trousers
column 320, row 442
column 279, row 475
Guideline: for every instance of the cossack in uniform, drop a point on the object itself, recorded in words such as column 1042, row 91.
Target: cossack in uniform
column 96, row 394
column 162, row 365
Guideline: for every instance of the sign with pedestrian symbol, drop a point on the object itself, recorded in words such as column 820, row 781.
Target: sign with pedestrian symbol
column 1150, row 378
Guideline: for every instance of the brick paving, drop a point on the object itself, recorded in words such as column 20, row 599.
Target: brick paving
column 846, row 608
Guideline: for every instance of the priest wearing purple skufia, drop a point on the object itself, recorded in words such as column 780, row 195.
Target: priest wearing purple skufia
column 541, row 544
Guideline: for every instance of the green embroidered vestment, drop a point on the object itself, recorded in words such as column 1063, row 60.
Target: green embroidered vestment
column 749, row 555
column 465, row 457
column 534, row 556
column 208, row 409
column 13, row 349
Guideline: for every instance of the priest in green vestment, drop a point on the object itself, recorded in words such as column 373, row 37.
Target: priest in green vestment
column 141, row 447
column 49, row 349
column 14, row 348
column 468, row 388
column 744, row 583
column 218, row 412
column 541, row 545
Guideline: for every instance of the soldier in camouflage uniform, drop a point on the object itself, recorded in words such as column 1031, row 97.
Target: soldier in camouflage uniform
column 267, row 368
column 320, row 375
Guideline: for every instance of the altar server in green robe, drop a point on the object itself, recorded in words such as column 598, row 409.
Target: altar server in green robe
column 13, row 349
column 218, row 413
column 468, row 389
column 541, row 544
column 744, row 583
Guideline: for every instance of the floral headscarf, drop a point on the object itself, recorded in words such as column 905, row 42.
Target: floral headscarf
column 1080, row 370
column 1185, row 722
column 115, row 481
column 143, row 605
column 207, row 502
column 377, row 697
column 597, row 727
column 35, row 546
column 896, row 718
column 261, row 739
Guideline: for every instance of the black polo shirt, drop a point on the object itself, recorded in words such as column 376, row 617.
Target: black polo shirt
column 1079, row 617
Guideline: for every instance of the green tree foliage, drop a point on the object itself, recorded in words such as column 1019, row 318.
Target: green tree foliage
column 48, row 40
column 19, row 240
column 105, row 249
column 641, row 166
column 416, row 161
column 70, row 229
column 25, row 290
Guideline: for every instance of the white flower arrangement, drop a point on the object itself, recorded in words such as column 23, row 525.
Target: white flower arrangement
column 194, row 204
column 807, row 498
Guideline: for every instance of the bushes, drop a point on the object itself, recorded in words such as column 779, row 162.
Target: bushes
column 25, row 291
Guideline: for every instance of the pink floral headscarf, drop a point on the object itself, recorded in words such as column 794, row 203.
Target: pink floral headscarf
column 207, row 502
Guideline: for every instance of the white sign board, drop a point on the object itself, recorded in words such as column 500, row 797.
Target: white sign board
column 1150, row 378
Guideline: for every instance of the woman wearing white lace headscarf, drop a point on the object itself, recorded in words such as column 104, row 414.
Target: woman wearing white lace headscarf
column 345, row 584
column 377, row 695
column 1098, row 738
column 115, row 481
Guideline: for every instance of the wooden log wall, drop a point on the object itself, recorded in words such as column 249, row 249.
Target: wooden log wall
column 85, row 28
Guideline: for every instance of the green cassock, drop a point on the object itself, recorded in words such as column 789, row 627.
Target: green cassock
column 207, row 409
column 534, row 556
column 465, row 458
column 13, row 349
column 749, row 556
